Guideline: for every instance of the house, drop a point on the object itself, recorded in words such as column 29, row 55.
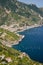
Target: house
column 2, row 56
column 22, row 55
column 8, row 59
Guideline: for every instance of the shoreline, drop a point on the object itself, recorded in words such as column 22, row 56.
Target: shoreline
column 21, row 36
column 30, row 27
column 17, row 42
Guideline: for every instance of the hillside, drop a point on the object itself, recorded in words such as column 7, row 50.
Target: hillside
column 15, row 16
column 13, row 11
column 13, row 57
column 8, row 38
column 41, row 8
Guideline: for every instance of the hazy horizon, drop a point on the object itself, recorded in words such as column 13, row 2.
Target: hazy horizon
column 39, row 3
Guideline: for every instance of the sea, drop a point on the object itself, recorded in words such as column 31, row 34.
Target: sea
column 32, row 43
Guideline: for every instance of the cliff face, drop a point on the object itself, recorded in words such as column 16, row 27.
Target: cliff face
column 13, row 10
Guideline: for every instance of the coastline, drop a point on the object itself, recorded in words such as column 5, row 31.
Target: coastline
column 16, row 42
column 30, row 27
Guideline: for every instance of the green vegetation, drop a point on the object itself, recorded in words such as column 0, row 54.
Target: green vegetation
column 15, row 12
column 15, row 16
column 8, row 38
column 9, row 35
column 14, row 56
column 19, row 12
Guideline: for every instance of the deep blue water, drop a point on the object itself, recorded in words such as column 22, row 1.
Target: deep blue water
column 32, row 44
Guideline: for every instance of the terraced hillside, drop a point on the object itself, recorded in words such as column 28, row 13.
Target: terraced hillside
column 12, row 11
column 9, row 56
column 9, row 38
column 14, row 15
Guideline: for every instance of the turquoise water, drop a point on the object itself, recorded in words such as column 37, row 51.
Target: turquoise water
column 32, row 44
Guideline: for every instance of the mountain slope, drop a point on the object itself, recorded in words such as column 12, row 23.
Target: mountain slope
column 41, row 8
column 13, row 57
column 15, row 11
column 8, row 38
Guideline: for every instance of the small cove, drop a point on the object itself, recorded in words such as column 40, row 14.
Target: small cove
column 32, row 44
